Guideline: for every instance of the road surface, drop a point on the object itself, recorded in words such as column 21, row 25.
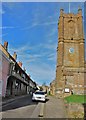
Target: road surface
column 25, row 108
column 20, row 108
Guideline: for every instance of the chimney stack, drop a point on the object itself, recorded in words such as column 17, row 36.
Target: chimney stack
column 24, row 69
column 20, row 64
column 6, row 45
column 15, row 55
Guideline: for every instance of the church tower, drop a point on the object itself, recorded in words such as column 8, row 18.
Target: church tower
column 71, row 53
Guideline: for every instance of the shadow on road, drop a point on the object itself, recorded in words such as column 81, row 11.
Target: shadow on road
column 47, row 99
column 42, row 101
column 18, row 103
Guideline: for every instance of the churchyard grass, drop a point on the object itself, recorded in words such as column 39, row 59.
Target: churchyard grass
column 76, row 99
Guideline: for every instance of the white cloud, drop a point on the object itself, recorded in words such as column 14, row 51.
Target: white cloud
column 2, row 11
column 38, row 63
column 51, row 46
column 52, row 32
column 29, row 27
column 7, row 27
column 40, row 20
column 22, row 49
column 3, row 34
column 28, row 54
column 41, row 72
column 37, row 24
column 52, row 56
column 25, row 52
column 48, row 23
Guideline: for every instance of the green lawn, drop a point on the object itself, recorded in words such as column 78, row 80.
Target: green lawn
column 76, row 99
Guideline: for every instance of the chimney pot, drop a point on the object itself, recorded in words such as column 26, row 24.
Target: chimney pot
column 6, row 45
column 15, row 55
column 24, row 69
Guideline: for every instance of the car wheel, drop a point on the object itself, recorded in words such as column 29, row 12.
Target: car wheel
column 33, row 100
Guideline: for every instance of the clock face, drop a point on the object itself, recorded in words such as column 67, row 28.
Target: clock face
column 71, row 50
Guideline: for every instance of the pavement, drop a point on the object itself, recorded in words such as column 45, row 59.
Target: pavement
column 54, row 108
column 11, row 99
column 36, row 112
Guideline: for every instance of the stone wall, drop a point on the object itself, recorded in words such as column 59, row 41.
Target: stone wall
column 71, row 59
column 74, row 110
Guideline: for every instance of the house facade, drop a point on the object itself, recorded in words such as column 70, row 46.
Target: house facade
column 14, row 80
column 5, row 62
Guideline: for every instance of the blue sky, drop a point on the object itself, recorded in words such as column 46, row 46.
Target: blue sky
column 31, row 31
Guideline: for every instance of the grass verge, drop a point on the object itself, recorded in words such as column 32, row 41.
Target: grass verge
column 76, row 99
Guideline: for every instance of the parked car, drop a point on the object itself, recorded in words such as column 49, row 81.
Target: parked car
column 39, row 96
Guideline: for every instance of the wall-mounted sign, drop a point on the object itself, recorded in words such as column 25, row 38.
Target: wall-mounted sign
column 66, row 90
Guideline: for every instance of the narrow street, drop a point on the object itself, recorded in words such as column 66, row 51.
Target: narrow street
column 43, row 54
column 25, row 108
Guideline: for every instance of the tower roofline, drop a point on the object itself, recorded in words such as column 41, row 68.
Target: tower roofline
column 78, row 12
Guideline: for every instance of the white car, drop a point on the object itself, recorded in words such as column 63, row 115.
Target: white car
column 39, row 96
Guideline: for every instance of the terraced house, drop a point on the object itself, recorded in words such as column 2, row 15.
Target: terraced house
column 13, row 80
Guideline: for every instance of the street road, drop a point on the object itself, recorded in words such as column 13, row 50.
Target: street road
column 20, row 108
column 25, row 108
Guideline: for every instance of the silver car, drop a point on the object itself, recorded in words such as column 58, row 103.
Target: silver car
column 39, row 96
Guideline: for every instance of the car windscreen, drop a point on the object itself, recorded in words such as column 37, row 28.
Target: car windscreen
column 40, row 93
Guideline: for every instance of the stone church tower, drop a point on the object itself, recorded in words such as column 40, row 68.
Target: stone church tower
column 71, row 53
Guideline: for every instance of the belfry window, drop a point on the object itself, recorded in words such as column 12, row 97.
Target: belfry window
column 72, row 38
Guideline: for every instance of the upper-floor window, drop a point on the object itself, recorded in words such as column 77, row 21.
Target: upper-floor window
column 13, row 67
